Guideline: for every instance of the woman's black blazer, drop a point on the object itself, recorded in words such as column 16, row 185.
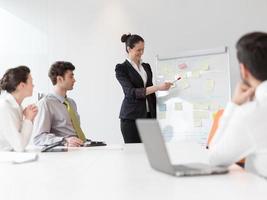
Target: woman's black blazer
column 134, row 102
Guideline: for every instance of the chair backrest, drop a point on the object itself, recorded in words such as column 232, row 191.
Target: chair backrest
column 215, row 124
column 40, row 95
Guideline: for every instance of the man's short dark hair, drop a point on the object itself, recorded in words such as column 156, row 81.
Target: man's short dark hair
column 252, row 52
column 59, row 68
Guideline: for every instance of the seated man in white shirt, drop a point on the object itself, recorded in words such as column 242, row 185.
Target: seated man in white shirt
column 242, row 130
column 58, row 119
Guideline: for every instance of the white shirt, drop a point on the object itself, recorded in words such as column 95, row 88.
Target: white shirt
column 140, row 70
column 15, row 132
column 242, row 132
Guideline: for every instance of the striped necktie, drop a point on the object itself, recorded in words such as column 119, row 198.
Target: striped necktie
column 75, row 121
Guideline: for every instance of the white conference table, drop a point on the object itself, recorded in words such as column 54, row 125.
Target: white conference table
column 119, row 174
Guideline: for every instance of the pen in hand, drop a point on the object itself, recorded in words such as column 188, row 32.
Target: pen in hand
column 176, row 80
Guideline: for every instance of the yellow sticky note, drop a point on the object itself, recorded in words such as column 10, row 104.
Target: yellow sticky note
column 197, row 123
column 167, row 71
column 195, row 74
column 205, row 67
column 209, row 85
column 198, row 115
column 201, row 106
column 178, row 106
column 161, row 115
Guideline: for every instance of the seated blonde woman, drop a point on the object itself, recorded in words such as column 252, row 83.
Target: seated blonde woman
column 15, row 123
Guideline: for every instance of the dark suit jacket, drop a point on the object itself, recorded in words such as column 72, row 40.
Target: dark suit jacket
column 134, row 102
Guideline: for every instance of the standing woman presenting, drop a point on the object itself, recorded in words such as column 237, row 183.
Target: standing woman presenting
column 135, row 78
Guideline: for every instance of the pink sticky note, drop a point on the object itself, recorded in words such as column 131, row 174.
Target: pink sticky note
column 182, row 65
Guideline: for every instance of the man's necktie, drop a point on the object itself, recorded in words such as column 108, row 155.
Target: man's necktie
column 75, row 122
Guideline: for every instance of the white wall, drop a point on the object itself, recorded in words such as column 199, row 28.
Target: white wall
column 87, row 33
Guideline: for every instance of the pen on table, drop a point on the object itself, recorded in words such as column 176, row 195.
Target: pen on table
column 176, row 80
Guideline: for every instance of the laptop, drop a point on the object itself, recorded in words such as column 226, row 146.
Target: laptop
column 159, row 159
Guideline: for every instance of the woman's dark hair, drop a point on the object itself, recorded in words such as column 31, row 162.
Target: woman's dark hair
column 252, row 52
column 13, row 77
column 131, row 40
column 59, row 68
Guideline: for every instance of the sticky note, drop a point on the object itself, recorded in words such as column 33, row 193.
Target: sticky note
column 162, row 107
column 205, row 67
column 195, row 74
column 178, row 106
column 209, row 85
column 161, row 115
column 167, row 71
column 182, row 65
column 160, row 70
column 189, row 74
column 201, row 106
column 200, row 115
column 197, row 123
